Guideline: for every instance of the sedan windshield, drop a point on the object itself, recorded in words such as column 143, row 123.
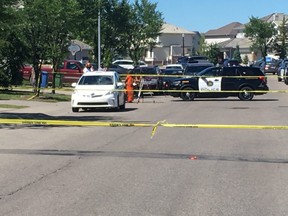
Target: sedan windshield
column 96, row 80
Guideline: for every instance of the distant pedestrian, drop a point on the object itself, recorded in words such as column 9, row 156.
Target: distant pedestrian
column 129, row 86
column 88, row 67
column 102, row 68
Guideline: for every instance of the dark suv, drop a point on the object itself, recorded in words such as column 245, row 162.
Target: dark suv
column 242, row 82
column 150, row 77
column 193, row 68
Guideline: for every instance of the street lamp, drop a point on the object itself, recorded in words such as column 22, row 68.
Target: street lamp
column 183, row 44
column 99, row 39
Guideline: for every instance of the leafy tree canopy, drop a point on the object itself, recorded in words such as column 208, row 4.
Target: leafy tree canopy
column 260, row 33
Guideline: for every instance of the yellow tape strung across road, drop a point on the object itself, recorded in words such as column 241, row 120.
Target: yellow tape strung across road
column 191, row 90
column 129, row 124
column 192, row 76
column 73, row 123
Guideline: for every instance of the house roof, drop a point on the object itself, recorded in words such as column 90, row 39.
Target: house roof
column 82, row 45
column 172, row 29
column 274, row 17
column 225, row 30
column 241, row 42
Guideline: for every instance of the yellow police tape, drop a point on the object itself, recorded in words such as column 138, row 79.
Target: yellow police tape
column 191, row 90
column 130, row 124
column 195, row 76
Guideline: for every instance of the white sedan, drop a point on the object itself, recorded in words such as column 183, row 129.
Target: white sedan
column 98, row 89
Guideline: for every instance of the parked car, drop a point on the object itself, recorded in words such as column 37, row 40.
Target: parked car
column 193, row 68
column 149, row 76
column 241, row 82
column 98, row 89
column 168, row 75
column 282, row 69
column 199, row 59
column 128, row 64
column 117, row 68
column 174, row 66
column 270, row 66
column 70, row 70
column 184, row 60
column 231, row 62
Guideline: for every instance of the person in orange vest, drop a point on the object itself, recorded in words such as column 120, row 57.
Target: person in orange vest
column 129, row 85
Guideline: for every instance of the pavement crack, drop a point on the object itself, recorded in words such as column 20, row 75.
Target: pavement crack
column 2, row 196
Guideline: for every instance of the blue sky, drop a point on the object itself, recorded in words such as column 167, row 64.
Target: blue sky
column 204, row 15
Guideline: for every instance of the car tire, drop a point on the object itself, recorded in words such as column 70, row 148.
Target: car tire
column 245, row 94
column 122, row 107
column 117, row 108
column 75, row 109
column 286, row 80
column 187, row 95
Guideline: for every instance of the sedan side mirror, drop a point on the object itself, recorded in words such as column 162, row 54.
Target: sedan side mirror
column 120, row 84
column 73, row 85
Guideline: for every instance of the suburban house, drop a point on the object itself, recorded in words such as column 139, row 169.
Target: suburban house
column 231, row 35
column 222, row 34
column 79, row 50
column 227, row 38
column 172, row 43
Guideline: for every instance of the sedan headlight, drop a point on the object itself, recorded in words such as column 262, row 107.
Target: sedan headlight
column 110, row 93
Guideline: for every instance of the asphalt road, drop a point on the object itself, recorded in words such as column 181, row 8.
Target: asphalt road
column 121, row 171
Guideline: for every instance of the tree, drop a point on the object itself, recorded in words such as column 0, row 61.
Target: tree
column 212, row 52
column 47, row 31
column 114, row 17
column 245, row 60
column 282, row 38
column 115, row 29
column 62, row 24
column 145, row 26
column 126, row 29
column 237, row 55
column 202, row 45
column 11, row 49
column 260, row 33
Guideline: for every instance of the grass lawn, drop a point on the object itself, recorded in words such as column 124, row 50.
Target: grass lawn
column 28, row 95
column 7, row 106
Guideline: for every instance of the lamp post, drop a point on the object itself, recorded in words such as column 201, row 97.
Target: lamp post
column 99, row 36
column 183, row 44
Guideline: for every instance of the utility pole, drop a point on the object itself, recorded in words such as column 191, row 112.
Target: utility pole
column 99, row 35
column 183, row 44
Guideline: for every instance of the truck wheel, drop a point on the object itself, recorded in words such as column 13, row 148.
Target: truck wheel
column 74, row 109
column 245, row 93
column 187, row 94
